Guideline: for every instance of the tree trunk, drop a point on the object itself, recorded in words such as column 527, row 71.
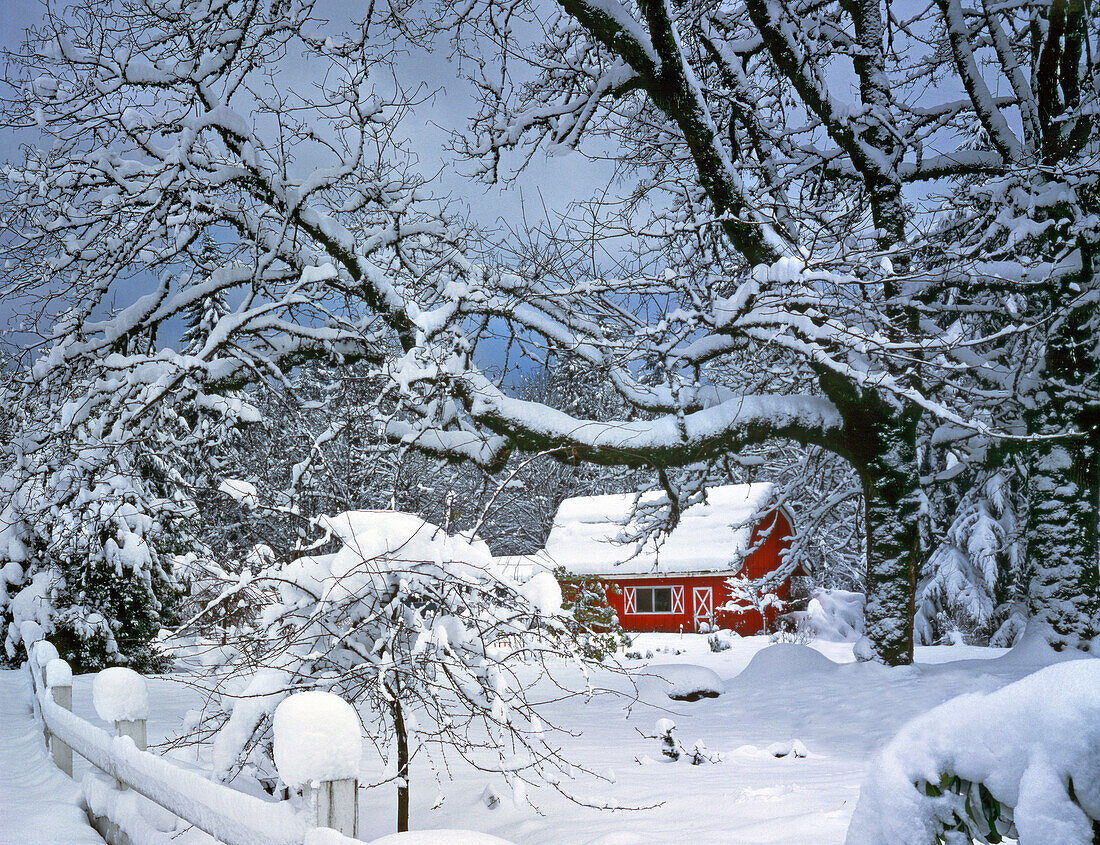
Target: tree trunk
column 1064, row 490
column 402, row 766
column 1064, row 593
column 880, row 441
column 891, row 490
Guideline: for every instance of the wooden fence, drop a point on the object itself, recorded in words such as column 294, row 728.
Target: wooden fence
column 229, row 816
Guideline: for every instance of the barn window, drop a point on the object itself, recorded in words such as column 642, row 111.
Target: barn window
column 653, row 600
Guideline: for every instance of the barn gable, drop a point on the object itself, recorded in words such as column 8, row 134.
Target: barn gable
column 714, row 536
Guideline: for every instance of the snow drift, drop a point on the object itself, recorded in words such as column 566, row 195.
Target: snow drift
column 1023, row 761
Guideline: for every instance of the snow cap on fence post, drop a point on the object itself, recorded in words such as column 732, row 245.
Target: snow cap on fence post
column 120, row 694
column 318, row 745
column 58, row 673
column 317, row 738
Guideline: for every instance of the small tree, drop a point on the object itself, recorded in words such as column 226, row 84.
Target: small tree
column 968, row 581
column 753, row 595
column 83, row 551
column 591, row 620
column 415, row 628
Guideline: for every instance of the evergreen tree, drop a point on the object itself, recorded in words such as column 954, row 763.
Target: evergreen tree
column 591, row 621
column 970, row 580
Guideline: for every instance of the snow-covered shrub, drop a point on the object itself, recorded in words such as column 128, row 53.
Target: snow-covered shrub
column 835, row 615
column 719, row 643
column 670, row 748
column 1022, row 762
column 592, row 621
column 699, row 754
column 414, row 627
column 792, row 628
column 1011, row 630
column 82, row 556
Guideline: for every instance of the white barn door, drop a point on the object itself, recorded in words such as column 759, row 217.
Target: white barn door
column 703, row 601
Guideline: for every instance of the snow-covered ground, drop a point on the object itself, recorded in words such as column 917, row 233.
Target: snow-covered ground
column 38, row 804
column 840, row 711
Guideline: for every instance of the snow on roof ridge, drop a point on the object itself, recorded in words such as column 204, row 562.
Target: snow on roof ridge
column 711, row 536
column 755, row 492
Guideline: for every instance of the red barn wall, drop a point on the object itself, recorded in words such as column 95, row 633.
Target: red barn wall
column 761, row 561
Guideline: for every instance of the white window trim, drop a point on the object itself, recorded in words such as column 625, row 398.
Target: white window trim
column 630, row 600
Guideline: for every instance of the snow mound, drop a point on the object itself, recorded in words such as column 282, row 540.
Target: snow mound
column 544, row 592
column 317, row 738
column 1024, row 743
column 836, row 615
column 685, row 681
column 785, row 661
column 58, row 673
column 791, row 748
column 120, row 694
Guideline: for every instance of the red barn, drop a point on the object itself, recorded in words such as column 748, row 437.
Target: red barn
column 677, row 582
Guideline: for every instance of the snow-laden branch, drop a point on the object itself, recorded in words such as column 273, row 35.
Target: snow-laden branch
column 670, row 440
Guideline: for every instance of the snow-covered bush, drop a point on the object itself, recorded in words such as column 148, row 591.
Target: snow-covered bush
column 699, row 754
column 836, row 615
column 592, row 621
column 81, row 555
column 792, row 629
column 419, row 631
column 1022, row 762
column 670, row 748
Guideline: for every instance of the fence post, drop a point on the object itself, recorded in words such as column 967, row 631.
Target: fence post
column 39, row 653
column 121, row 697
column 335, row 804
column 135, row 729
column 318, row 744
column 59, row 681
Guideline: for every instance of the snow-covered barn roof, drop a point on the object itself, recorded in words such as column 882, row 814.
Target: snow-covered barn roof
column 710, row 537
